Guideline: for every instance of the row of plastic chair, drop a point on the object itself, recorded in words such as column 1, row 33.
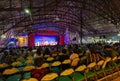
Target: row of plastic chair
column 81, row 68
column 79, row 73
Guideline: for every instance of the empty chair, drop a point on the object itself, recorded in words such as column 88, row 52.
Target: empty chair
column 89, row 72
column 55, row 66
column 26, row 75
column 45, row 65
column 28, row 68
column 30, row 79
column 98, row 71
column 66, row 75
column 50, row 60
column 29, row 62
column 16, row 77
column 77, row 75
column 54, row 55
column 107, row 60
column 66, row 64
column 49, row 77
column 1, row 79
column 11, row 71
column 75, row 62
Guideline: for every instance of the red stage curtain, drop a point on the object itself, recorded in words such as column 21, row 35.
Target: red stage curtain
column 61, row 42
column 31, row 40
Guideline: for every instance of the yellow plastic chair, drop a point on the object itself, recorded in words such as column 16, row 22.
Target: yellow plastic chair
column 45, row 65
column 67, row 72
column 29, row 62
column 66, row 64
column 77, row 76
column 46, row 56
column 29, row 58
column 114, row 60
column 119, row 57
column 81, row 68
column 28, row 68
column 55, row 66
column 66, row 61
column 75, row 62
column 30, row 79
column 49, row 59
column 18, row 63
column 99, row 64
column 20, row 59
column 49, row 77
column 107, row 60
column 54, row 55
column 66, row 75
column 3, row 65
column 89, row 67
column 10, row 71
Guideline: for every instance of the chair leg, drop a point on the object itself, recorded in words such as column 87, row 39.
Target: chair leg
column 105, row 75
column 85, row 76
column 111, row 71
column 95, row 75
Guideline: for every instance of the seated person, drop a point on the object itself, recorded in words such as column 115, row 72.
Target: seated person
column 109, row 52
column 38, row 73
column 63, row 56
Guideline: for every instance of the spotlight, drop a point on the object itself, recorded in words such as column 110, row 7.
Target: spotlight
column 27, row 11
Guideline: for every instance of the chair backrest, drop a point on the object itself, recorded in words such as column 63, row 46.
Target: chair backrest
column 16, row 63
column 115, row 58
column 81, row 68
column 56, row 63
column 15, row 77
column 91, row 65
column 104, row 65
column 20, row 58
column 11, row 71
column 64, row 78
column 49, row 77
column 3, row 65
column 50, row 59
column 67, row 61
column 75, row 62
column 108, row 59
column 44, row 65
column 100, row 63
column 29, row 58
column 119, row 57
column 46, row 56
column 28, row 68
column 54, row 55
column 30, row 79
column 30, row 61
column 67, row 72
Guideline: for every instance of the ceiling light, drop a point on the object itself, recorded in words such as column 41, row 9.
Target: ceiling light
column 27, row 11
column 118, row 34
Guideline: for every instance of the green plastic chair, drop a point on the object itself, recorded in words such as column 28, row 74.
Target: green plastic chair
column 16, row 77
column 1, row 79
column 20, row 68
column 26, row 75
column 55, row 69
column 77, row 76
column 64, row 78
